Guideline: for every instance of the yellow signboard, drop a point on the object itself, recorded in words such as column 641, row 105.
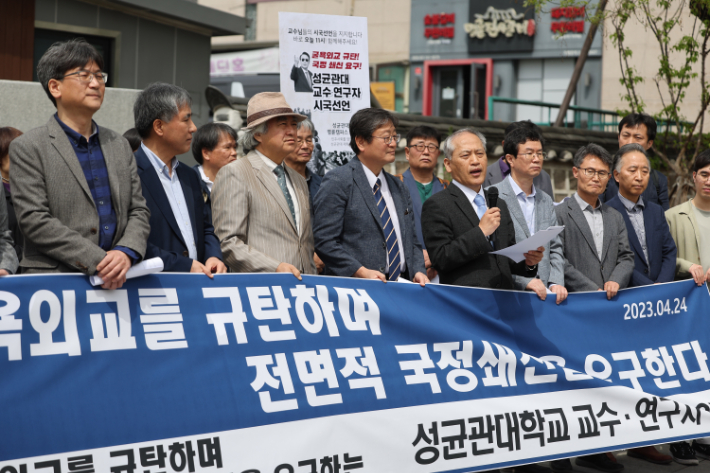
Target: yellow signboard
column 384, row 92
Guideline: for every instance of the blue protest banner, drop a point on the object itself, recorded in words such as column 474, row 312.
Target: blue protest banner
column 263, row 372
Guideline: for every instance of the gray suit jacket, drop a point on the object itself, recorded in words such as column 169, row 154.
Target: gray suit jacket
column 54, row 207
column 347, row 227
column 253, row 222
column 541, row 182
column 583, row 269
column 551, row 268
column 8, row 257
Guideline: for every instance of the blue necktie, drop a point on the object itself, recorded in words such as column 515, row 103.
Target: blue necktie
column 281, row 177
column 480, row 205
column 390, row 234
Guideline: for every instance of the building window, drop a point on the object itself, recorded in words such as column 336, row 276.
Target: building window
column 250, row 15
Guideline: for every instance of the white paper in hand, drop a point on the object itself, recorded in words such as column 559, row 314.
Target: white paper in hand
column 149, row 266
column 517, row 251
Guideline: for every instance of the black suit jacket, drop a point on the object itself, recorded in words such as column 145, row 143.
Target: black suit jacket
column 165, row 240
column 300, row 82
column 459, row 251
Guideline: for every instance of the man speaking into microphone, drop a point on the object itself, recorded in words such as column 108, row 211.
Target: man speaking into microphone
column 463, row 223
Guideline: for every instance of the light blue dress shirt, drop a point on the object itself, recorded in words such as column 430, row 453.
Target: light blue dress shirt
column 527, row 203
column 176, row 197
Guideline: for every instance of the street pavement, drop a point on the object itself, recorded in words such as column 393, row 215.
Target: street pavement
column 633, row 465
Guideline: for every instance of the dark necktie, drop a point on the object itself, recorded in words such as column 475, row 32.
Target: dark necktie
column 390, row 234
column 281, row 177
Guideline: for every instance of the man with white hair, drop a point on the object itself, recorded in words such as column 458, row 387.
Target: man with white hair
column 260, row 207
column 459, row 229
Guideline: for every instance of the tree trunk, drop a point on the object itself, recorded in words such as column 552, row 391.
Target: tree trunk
column 580, row 64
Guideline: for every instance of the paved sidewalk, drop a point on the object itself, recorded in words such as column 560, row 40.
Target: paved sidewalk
column 633, row 465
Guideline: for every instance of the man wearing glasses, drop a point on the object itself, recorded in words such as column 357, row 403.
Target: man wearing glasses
column 298, row 160
column 499, row 170
column 461, row 230
column 532, row 210
column 595, row 241
column 422, row 153
column 76, row 189
column 364, row 222
column 597, row 253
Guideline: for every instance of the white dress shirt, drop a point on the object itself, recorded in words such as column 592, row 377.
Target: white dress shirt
column 527, row 203
column 205, row 179
column 176, row 197
column 387, row 195
column 296, row 209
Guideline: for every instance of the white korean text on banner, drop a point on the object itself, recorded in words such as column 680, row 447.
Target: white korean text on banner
column 325, row 76
column 266, row 373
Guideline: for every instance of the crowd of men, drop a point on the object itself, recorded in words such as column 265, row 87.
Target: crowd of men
column 85, row 200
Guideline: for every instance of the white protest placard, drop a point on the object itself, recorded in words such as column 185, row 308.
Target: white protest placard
column 325, row 76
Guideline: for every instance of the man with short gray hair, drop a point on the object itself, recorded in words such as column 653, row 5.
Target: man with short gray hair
column 652, row 244
column 75, row 188
column 181, row 231
column 597, row 254
column 460, row 230
column 649, row 235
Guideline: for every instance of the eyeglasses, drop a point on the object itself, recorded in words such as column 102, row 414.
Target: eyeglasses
column 421, row 147
column 86, row 77
column 540, row 154
column 703, row 176
column 309, row 141
column 388, row 139
column 589, row 172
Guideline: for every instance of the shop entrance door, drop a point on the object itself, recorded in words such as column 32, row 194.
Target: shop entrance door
column 460, row 91
column 448, row 92
column 457, row 88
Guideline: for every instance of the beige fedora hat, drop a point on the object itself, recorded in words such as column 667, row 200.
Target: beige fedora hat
column 267, row 105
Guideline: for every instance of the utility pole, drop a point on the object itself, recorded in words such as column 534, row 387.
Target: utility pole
column 580, row 64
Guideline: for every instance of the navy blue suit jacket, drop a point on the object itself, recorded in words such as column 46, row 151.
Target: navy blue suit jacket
column 417, row 203
column 347, row 228
column 165, row 240
column 659, row 242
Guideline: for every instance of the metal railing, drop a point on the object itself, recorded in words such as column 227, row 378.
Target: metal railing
column 582, row 117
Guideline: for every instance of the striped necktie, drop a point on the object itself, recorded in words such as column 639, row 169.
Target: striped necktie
column 390, row 234
column 281, row 178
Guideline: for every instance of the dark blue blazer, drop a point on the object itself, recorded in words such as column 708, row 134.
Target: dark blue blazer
column 314, row 182
column 661, row 247
column 347, row 228
column 417, row 203
column 165, row 240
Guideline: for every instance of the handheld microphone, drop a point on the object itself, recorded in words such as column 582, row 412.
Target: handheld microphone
column 493, row 202
column 492, row 197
